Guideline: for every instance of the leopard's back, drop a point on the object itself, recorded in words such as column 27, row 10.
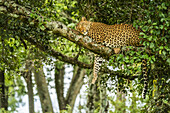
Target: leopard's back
column 114, row 36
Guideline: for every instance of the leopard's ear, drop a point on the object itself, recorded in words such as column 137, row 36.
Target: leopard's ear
column 83, row 19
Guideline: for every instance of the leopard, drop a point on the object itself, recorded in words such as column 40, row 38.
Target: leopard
column 113, row 36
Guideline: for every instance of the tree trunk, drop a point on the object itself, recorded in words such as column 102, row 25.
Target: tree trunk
column 28, row 79
column 90, row 103
column 3, row 99
column 74, row 88
column 59, row 85
column 104, row 104
column 30, row 95
column 97, row 97
column 93, row 97
column 43, row 90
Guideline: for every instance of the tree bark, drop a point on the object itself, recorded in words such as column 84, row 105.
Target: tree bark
column 59, row 86
column 43, row 90
column 3, row 94
column 74, row 88
column 104, row 103
column 28, row 79
column 30, row 94
column 93, row 98
column 97, row 98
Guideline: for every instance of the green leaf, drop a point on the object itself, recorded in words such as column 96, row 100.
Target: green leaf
column 151, row 31
column 168, row 60
column 65, row 8
column 141, row 33
column 150, row 59
column 150, row 38
column 149, row 21
column 152, row 45
column 161, row 47
column 31, row 23
column 42, row 27
column 164, row 52
column 162, row 19
column 156, row 27
column 147, row 43
column 145, row 28
column 119, row 57
column 154, row 23
column 153, row 58
column 161, row 26
column 132, row 61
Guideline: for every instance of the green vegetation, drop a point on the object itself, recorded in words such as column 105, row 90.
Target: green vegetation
column 35, row 33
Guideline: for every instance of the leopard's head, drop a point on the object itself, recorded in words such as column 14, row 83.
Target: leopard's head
column 83, row 26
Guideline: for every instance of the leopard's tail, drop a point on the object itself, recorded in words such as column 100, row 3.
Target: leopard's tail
column 145, row 78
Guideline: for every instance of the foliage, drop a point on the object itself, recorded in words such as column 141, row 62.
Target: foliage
column 11, row 55
column 155, row 25
column 4, row 111
column 151, row 16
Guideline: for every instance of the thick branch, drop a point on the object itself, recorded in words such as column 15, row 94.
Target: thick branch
column 16, row 11
column 58, row 55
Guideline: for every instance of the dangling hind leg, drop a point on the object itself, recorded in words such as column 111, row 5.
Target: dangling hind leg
column 98, row 62
column 96, row 67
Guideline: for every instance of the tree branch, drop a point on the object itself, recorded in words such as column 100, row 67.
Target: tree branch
column 48, row 49
column 16, row 11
